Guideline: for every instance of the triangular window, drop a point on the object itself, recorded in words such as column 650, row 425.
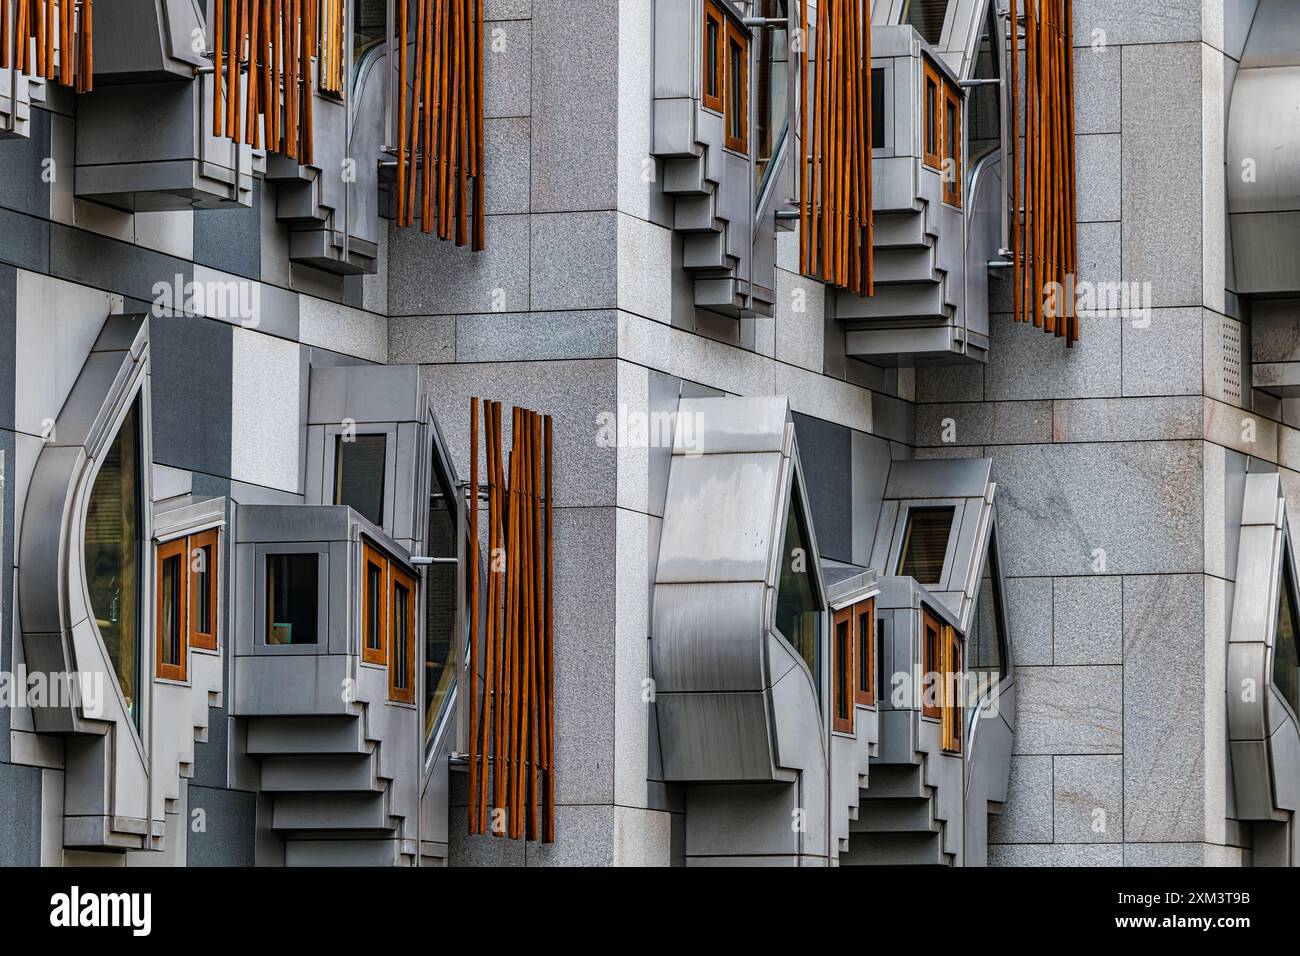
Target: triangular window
column 798, row 609
column 984, row 645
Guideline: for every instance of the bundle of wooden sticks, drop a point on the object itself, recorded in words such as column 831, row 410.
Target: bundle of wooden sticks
column 35, row 26
column 1043, row 235
column 835, row 233
column 263, row 51
column 512, row 726
column 440, row 118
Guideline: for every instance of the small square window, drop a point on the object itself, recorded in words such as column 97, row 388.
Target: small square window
column 203, row 590
column 359, row 475
column 401, row 609
column 925, row 544
column 714, row 29
column 737, row 112
column 292, row 598
column 374, row 606
column 170, row 644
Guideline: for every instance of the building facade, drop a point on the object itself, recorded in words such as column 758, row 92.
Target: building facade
column 841, row 563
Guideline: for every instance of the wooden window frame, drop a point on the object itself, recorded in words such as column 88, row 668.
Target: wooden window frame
column 952, row 709
column 165, row 552
column 712, row 12
column 931, row 660
column 373, row 557
column 204, row 640
column 739, row 144
column 930, row 77
column 865, row 696
column 951, row 189
column 843, row 670
column 402, row 695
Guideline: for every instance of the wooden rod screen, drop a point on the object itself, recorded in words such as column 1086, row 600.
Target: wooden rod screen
column 28, row 29
column 263, row 52
column 439, row 119
column 835, row 233
column 332, row 47
column 512, row 724
column 1043, row 235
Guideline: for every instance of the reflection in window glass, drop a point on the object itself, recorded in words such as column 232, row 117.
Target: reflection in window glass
column 401, row 635
column 927, row 17
column 984, row 102
column 771, row 103
column 202, row 566
column 1286, row 659
column 712, row 46
column 292, row 589
column 359, row 475
column 988, row 631
column 112, row 537
column 169, row 621
column 798, row 609
column 925, row 544
column 440, row 599
column 374, row 605
column 843, row 668
column 736, row 91
column 877, row 108
column 368, row 17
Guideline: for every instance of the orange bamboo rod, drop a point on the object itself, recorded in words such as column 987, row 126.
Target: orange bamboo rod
column 489, row 663
column 463, row 125
column 473, row 614
column 250, row 107
column 417, row 101
column 432, row 62
column 21, row 31
column 548, row 792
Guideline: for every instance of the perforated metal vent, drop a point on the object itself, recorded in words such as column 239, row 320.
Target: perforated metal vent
column 1231, row 364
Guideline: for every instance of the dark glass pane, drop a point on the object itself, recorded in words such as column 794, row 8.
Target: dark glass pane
column 984, row 102
column 797, row 605
column 842, row 692
column 202, row 592
column 735, row 91
column 374, row 602
column 292, row 589
column 988, row 628
column 925, row 544
column 952, row 136
column 771, row 97
column 171, row 609
column 440, row 597
column 1286, row 660
column 112, row 537
column 368, row 18
column 877, row 108
column 864, row 651
column 359, row 475
column 931, row 120
column 713, row 73
column 401, row 633
column 927, row 17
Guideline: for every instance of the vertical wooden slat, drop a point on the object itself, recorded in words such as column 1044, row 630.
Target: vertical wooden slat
column 20, row 35
column 433, row 61
column 311, row 10
column 472, row 677
column 250, row 107
column 401, row 112
column 417, row 99
column 548, row 793
column 219, row 18
column 480, row 239
column 463, row 124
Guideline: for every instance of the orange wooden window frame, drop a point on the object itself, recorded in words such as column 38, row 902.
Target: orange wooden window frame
column 951, row 151
column 206, row 640
column 952, row 708
column 931, row 661
column 373, row 557
column 865, row 612
column 713, row 14
column 178, row 671
column 737, row 39
column 402, row 695
column 843, row 670
column 931, row 115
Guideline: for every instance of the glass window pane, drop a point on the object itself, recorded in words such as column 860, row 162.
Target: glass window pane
column 842, row 669
column 713, row 71
column 1286, row 660
column 877, row 108
column 202, row 568
column 925, row 544
column 931, row 120
column 292, row 589
column 865, row 652
column 736, row 91
column 401, row 633
column 440, row 598
column 170, row 621
column 927, row 17
column 771, row 96
column 112, row 536
column 359, row 475
column 988, row 629
column 374, row 604
column 984, row 103
column 798, row 609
